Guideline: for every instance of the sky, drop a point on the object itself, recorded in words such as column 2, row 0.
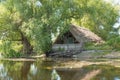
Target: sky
column 115, row 2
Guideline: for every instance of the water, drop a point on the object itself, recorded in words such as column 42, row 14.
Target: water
column 41, row 70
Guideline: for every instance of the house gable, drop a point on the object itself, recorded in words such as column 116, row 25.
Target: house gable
column 74, row 39
column 66, row 38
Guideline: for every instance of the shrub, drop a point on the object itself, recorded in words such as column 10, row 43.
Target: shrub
column 115, row 43
column 7, row 50
column 12, row 53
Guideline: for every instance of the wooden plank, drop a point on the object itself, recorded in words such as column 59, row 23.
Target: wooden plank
column 64, row 47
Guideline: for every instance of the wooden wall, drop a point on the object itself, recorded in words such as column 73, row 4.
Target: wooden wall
column 64, row 47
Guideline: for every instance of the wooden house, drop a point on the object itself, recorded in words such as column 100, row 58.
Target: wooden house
column 75, row 38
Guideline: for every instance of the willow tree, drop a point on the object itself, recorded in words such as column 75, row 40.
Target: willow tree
column 36, row 22
column 99, row 16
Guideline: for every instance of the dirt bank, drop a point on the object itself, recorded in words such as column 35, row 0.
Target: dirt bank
column 95, row 54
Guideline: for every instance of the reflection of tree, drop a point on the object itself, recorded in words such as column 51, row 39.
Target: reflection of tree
column 91, row 74
column 16, row 70
column 66, row 74
column 43, row 73
column 25, row 70
column 11, row 69
column 107, row 72
column 3, row 73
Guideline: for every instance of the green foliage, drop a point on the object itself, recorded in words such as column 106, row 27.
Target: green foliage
column 99, row 16
column 12, row 54
column 114, row 42
column 92, row 46
column 41, row 21
column 37, row 22
column 7, row 51
column 5, row 46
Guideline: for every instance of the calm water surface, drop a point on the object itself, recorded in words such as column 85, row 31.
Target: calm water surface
column 41, row 70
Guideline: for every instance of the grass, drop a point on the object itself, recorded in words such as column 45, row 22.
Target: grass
column 101, row 53
column 98, row 47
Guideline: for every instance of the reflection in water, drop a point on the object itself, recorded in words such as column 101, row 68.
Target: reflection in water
column 3, row 73
column 91, row 74
column 117, row 78
column 33, row 69
column 55, row 75
column 25, row 70
column 10, row 70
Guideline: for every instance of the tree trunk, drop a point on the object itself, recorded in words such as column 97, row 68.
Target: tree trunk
column 25, row 70
column 49, row 45
column 27, row 48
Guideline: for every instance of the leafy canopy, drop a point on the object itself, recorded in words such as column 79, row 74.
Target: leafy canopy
column 41, row 20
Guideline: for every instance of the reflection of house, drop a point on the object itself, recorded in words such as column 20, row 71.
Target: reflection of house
column 75, row 38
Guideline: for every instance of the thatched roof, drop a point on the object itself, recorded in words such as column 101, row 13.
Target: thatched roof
column 81, row 33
